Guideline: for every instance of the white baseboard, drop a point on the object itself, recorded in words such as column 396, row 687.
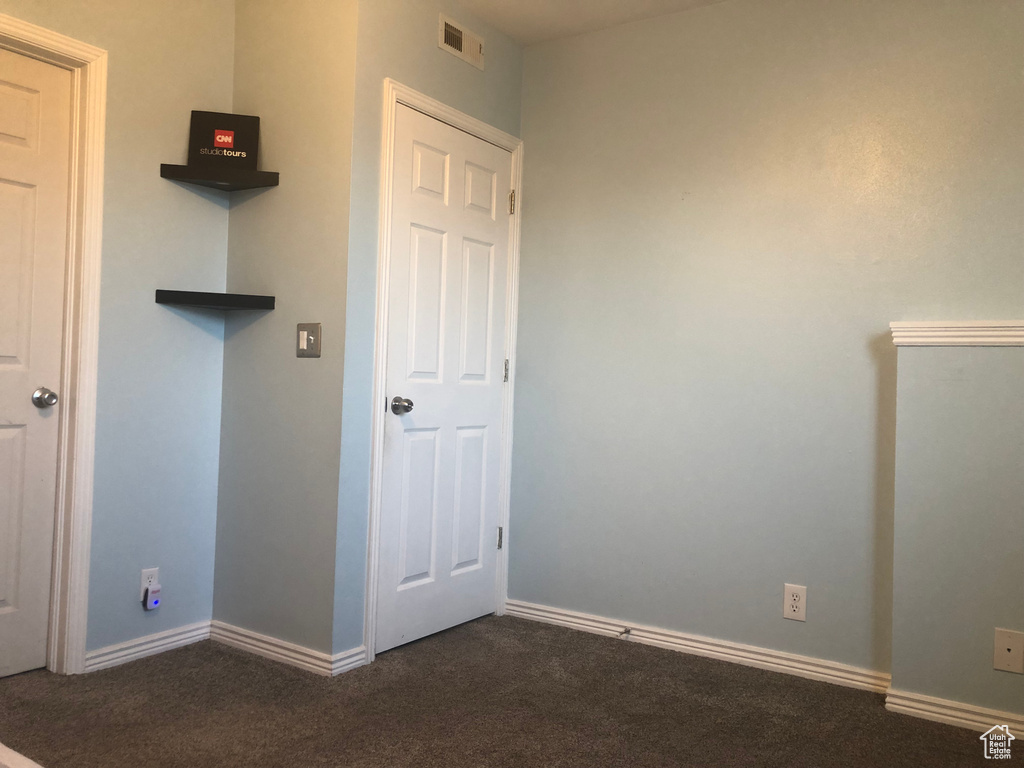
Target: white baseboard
column 288, row 653
column 952, row 712
column 11, row 759
column 748, row 655
column 246, row 640
column 122, row 653
column 915, row 704
column 346, row 660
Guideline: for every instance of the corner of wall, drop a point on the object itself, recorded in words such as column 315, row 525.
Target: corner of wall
column 281, row 422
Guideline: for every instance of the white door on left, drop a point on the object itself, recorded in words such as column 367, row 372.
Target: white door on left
column 35, row 145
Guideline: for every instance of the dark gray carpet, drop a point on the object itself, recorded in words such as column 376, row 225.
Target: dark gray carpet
column 495, row 692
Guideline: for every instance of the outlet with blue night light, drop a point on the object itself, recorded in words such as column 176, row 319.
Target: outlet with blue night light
column 151, row 597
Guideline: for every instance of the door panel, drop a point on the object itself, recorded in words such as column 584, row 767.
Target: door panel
column 470, row 497
column 19, row 115
column 446, row 316
column 481, row 190
column 430, row 171
column 477, row 285
column 17, row 230
column 12, row 473
column 426, row 298
column 419, row 506
column 35, row 110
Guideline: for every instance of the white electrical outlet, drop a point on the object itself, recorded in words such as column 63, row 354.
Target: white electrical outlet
column 1009, row 652
column 149, row 576
column 794, row 602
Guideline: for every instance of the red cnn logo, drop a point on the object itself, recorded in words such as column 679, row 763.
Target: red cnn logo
column 223, row 138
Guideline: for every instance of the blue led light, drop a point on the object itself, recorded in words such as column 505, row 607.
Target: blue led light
column 156, row 602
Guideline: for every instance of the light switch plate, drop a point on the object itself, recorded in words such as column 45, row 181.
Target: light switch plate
column 1009, row 651
column 307, row 342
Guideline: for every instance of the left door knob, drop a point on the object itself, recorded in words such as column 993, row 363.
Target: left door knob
column 44, row 398
column 401, row 405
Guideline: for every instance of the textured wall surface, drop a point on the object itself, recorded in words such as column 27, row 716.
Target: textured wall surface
column 281, row 435
column 723, row 209
column 959, row 541
column 159, row 389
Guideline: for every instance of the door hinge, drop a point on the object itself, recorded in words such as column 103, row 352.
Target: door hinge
column 506, row 369
column 501, row 536
column 511, row 202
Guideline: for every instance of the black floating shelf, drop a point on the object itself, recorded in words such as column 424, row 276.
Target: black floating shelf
column 214, row 300
column 228, row 179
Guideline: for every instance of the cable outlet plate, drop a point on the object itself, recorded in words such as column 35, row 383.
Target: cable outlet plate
column 149, row 576
column 794, row 602
column 1009, row 651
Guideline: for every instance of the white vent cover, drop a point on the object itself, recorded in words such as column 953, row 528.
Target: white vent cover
column 459, row 41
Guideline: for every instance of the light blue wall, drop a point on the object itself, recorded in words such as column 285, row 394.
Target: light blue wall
column 281, row 434
column 159, row 463
column 722, row 211
column 396, row 39
column 158, row 414
column 959, row 506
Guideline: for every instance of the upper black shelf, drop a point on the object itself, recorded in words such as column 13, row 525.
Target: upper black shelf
column 228, row 179
column 214, row 300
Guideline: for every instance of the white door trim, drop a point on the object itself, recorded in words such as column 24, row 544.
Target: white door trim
column 70, row 584
column 395, row 94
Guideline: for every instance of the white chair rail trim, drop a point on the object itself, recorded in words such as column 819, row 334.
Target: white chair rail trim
column 948, row 333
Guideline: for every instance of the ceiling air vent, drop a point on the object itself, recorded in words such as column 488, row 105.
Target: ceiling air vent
column 459, row 41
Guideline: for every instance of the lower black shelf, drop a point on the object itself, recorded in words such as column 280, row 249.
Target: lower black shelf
column 228, row 179
column 214, row 300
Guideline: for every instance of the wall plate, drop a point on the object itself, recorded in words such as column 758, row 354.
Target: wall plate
column 794, row 602
column 149, row 576
column 307, row 342
column 1009, row 651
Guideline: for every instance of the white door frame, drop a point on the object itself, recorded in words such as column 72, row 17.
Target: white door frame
column 69, row 592
column 395, row 94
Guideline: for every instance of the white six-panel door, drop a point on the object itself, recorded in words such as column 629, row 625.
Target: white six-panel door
column 445, row 353
column 35, row 118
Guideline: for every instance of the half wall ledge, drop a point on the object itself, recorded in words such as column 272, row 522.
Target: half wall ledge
column 950, row 333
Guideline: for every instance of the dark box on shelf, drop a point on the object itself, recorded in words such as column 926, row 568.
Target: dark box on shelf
column 222, row 140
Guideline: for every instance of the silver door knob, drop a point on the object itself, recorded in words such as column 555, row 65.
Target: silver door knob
column 401, row 405
column 44, row 398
